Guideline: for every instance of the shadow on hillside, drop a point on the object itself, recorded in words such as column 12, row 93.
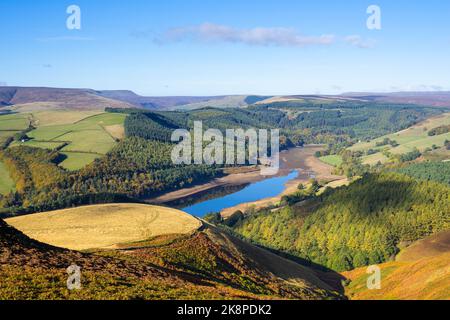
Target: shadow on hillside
column 327, row 275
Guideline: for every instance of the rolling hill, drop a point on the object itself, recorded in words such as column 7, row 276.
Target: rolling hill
column 406, row 140
column 420, row 272
column 35, row 99
column 433, row 98
column 78, row 228
column 205, row 264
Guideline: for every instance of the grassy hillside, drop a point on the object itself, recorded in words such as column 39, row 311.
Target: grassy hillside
column 6, row 182
column 407, row 140
column 29, row 99
column 12, row 124
column 432, row 246
column 334, row 160
column 426, row 279
column 85, row 139
column 104, row 225
column 205, row 265
column 421, row 272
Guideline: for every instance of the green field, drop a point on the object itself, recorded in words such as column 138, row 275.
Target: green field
column 408, row 140
column 333, row 160
column 10, row 124
column 14, row 122
column 40, row 144
column 6, row 183
column 76, row 160
column 85, row 139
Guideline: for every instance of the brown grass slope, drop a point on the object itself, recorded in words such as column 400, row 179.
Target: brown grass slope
column 185, row 267
column 435, row 99
column 429, row 247
column 32, row 99
column 421, row 272
column 226, row 259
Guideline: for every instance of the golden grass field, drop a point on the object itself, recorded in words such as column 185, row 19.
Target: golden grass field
column 104, row 226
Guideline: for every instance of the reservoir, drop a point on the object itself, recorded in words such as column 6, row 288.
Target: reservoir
column 256, row 191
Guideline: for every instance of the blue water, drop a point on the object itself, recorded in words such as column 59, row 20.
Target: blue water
column 256, row 191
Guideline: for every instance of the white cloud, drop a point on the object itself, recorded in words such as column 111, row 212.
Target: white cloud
column 209, row 32
column 3, row 84
column 358, row 41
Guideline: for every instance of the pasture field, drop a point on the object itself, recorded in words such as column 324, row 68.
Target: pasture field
column 408, row 139
column 441, row 154
column 87, row 136
column 6, row 182
column 104, row 226
column 10, row 124
column 333, row 160
column 91, row 141
column 77, row 160
column 60, row 117
column 39, row 144
column 4, row 135
column 14, row 122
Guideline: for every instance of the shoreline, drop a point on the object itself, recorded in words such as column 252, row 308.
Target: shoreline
column 301, row 159
column 308, row 166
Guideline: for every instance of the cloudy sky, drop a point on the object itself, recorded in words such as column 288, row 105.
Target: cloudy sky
column 212, row 47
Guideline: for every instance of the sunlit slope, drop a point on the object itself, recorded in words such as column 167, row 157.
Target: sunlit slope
column 206, row 264
column 426, row 248
column 414, row 137
column 421, row 272
column 103, row 226
column 80, row 136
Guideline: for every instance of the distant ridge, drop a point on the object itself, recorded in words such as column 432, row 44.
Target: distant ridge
column 36, row 98
column 431, row 98
column 32, row 98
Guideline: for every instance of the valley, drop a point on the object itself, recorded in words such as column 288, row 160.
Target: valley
column 87, row 185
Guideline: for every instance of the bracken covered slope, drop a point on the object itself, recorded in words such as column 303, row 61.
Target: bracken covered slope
column 206, row 265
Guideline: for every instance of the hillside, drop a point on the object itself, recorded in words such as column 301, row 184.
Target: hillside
column 362, row 224
column 154, row 102
column 79, row 228
column 35, row 99
column 405, row 141
column 421, row 272
column 205, row 265
column 432, row 246
column 436, row 99
column 431, row 171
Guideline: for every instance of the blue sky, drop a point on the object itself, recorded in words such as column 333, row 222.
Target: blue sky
column 212, row 47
